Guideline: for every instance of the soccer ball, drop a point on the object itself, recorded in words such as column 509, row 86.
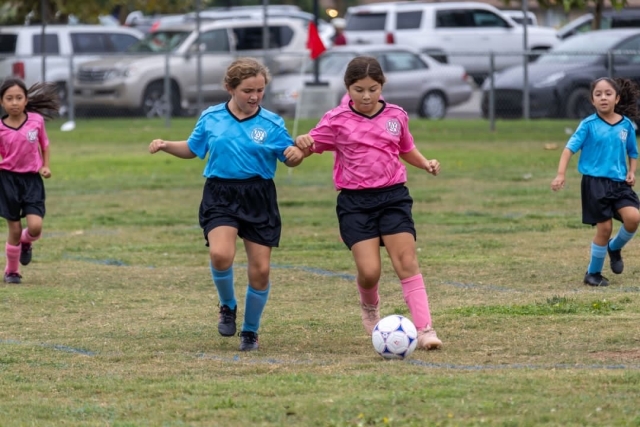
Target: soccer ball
column 394, row 337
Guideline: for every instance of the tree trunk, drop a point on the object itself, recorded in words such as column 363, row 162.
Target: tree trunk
column 597, row 14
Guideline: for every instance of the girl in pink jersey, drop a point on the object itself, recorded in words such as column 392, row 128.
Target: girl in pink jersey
column 24, row 148
column 369, row 137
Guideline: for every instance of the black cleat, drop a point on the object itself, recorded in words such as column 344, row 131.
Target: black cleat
column 25, row 253
column 595, row 279
column 615, row 260
column 248, row 341
column 14, row 278
column 227, row 321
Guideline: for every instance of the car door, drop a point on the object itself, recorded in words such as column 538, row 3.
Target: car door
column 405, row 74
column 215, row 48
column 469, row 35
column 626, row 60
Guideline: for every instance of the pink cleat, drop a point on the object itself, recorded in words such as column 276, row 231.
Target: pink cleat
column 428, row 340
column 370, row 316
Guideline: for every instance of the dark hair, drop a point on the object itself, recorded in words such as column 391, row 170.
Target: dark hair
column 628, row 92
column 42, row 97
column 362, row 67
column 244, row 68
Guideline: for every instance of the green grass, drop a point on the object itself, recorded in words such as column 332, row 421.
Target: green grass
column 115, row 322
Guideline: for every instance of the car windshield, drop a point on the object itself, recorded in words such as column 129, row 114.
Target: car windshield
column 331, row 63
column 585, row 48
column 160, row 41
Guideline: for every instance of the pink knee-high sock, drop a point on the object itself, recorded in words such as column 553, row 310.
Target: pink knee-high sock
column 415, row 295
column 13, row 258
column 369, row 296
column 28, row 238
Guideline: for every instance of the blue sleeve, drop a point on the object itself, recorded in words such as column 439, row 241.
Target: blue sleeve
column 578, row 138
column 197, row 141
column 282, row 140
column 632, row 144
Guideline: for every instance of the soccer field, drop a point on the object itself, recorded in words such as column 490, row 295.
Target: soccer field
column 115, row 321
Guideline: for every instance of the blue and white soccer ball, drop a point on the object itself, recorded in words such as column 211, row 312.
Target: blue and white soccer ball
column 394, row 337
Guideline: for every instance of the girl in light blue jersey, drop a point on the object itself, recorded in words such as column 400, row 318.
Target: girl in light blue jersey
column 608, row 160
column 243, row 143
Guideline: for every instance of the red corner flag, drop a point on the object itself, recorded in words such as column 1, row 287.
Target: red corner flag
column 314, row 42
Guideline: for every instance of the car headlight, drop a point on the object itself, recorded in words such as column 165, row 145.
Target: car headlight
column 550, row 80
column 116, row 73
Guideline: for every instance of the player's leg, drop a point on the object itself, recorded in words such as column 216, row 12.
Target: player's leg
column 598, row 253
column 402, row 251
column 627, row 210
column 29, row 234
column 258, row 269
column 366, row 254
column 12, row 250
column 222, row 251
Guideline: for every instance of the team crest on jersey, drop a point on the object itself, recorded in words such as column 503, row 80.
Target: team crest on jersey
column 258, row 135
column 623, row 135
column 32, row 135
column 393, row 127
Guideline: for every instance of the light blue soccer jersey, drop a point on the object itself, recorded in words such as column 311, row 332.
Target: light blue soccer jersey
column 239, row 149
column 605, row 147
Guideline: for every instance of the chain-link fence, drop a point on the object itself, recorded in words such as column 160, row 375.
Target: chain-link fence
column 554, row 85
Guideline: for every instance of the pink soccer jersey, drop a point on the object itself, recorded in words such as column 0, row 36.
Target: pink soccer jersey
column 20, row 148
column 366, row 148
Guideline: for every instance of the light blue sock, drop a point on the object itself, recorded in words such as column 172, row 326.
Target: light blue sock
column 253, row 308
column 224, row 283
column 621, row 239
column 598, row 253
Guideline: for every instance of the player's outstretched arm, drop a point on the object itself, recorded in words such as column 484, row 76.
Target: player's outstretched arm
column 558, row 181
column 177, row 148
column 416, row 159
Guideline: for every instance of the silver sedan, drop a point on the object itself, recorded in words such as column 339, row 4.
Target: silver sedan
column 415, row 81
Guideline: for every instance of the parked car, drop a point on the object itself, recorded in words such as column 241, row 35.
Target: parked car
column 627, row 18
column 21, row 50
column 416, row 82
column 137, row 82
column 558, row 82
column 463, row 32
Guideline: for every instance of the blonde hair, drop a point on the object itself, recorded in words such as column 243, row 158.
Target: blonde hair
column 244, row 68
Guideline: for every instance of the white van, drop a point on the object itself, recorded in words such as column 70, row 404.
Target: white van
column 462, row 33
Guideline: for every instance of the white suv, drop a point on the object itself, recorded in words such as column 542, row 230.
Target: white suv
column 463, row 33
column 136, row 81
column 21, row 50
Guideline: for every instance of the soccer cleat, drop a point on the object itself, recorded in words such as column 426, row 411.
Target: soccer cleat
column 248, row 341
column 595, row 279
column 25, row 253
column 227, row 321
column 15, row 278
column 615, row 260
column 370, row 316
column 428, row 340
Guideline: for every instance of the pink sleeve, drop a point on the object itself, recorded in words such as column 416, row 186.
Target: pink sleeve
column 323, row 136
column 406, row 139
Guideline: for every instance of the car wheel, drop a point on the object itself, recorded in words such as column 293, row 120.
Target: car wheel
column 579, row 104
column 154, row 101
column 433, row 106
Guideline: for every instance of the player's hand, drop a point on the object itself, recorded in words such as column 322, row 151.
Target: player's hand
column 631, row 179
column 157, row 145
column 304, row 141
column 557, row 183
column 433, row 167
column 45, row 172
column 293, row 154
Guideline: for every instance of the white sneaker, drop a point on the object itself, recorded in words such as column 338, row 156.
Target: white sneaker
column 370, row 316
column 428, row 340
